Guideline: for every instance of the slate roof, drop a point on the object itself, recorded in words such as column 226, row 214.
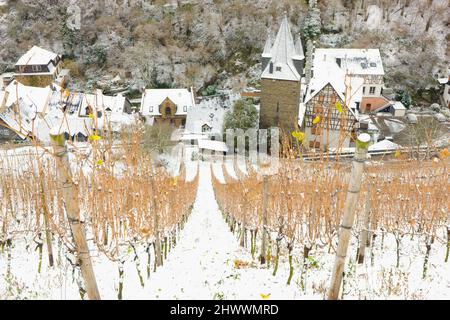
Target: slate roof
column 154, row 97
column 282, row 54
column 353, row 61
column 37, row 56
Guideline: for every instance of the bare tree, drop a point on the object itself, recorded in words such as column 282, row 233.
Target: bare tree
column 423, row 134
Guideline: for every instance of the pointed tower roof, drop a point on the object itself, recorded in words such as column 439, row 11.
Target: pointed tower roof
column 283, row 51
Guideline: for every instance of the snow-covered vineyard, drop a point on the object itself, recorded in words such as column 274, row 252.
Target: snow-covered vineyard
column 211, row 226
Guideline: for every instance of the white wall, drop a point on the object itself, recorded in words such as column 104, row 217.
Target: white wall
column 366, row 90
column 334, row 139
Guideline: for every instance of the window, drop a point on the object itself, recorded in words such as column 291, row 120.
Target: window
column 184, row 109
column 278, row 68
column 372, row 90
column 168, row 111
column 368, row 106
column 357, row 105
column 36, row 68
column 364, row 90
column 150, row 109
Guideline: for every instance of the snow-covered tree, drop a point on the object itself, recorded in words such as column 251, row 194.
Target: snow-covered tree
column 406, row 99
column 313, row 23
column 244, row 116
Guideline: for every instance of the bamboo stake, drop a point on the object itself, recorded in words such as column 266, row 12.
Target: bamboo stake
column 70, row 196
column 48, row 235
column 365, row 225
column 264, row 231
column 354, row 186
column 157, row 243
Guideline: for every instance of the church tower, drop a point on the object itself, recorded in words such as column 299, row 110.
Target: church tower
column 282, row 69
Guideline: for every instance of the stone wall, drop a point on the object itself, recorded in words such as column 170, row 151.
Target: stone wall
column 279, row 104
column 35, row 80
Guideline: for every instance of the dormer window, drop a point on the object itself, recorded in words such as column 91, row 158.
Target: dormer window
column 185, row 109
column 278, row 68
column 36, row 68
column 150, row 109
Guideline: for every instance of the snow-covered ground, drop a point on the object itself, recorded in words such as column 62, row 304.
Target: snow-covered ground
column 203, row 264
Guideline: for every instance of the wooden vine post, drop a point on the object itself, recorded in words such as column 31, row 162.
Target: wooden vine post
column 157, row 244
column 264, row 218
column 70, row 197
column 364, row 235
column 354, row 186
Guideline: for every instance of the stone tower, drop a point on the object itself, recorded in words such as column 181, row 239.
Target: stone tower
column 282, row 64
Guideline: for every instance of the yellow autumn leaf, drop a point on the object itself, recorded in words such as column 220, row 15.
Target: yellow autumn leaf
column 316, row 119
column 91, row 116
column 397, row 154
column 94, row 137
column 298, row 135
column 339, row 107
column 444, row 153
column 265, row 296
column 99, row 162
column 175, row 181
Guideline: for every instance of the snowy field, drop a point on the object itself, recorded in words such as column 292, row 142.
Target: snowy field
column 209, row 263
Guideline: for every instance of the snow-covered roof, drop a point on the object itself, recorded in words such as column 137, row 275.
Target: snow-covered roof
column 397, row 105
column 352, row 61
column 73, row 126
column 35, row 98
column 102, row 102
column 37, row 56
column 212, row 145
column 282, row 54
column 21, row 126
column 182, row 98
column 384, row 145
column 348, row 88
column 211, row 111
column 49, row 103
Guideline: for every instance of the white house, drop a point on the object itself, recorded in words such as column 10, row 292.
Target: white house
column 363, row 63
column 103, row 104
column 31, row 101
column 168, row 106
column 38, row 67
column 329, row 111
